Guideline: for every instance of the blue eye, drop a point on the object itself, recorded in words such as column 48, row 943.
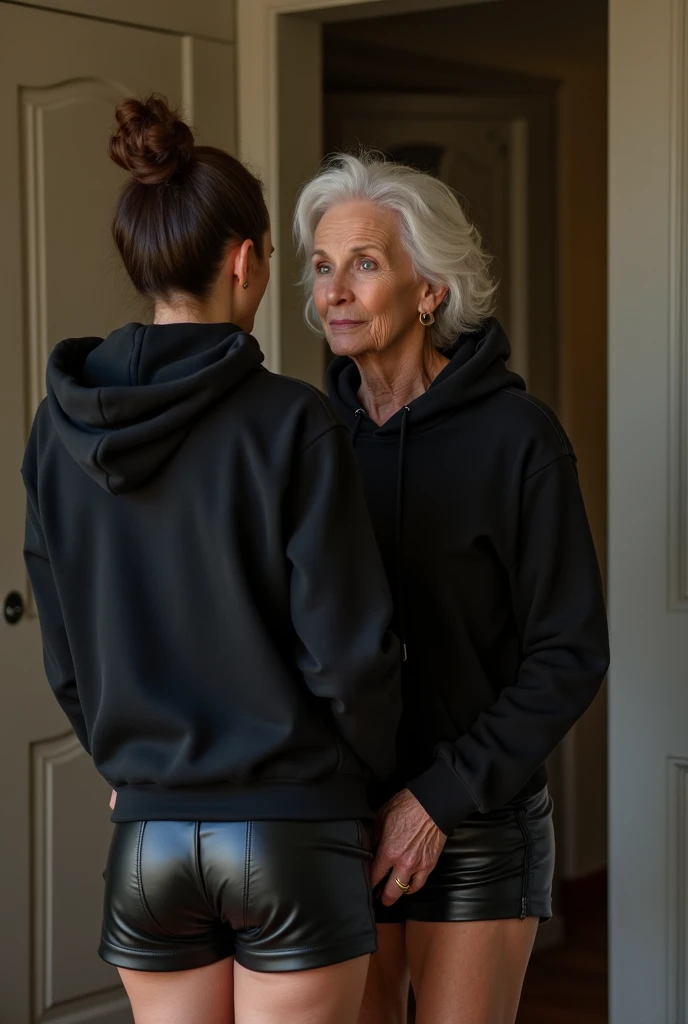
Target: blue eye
column 322, row 269
column 368, row 265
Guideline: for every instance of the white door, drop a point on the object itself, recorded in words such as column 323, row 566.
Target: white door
column 483, row 147
column 60, row 78
column 648, row 516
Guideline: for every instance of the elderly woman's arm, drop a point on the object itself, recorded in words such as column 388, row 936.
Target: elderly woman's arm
column 559, row 606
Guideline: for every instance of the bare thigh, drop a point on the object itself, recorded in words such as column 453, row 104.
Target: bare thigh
column 468, row 972
column 327, row 995
column 387, row 988
column 201, row 996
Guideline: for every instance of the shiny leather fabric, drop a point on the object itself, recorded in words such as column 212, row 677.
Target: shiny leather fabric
column 278, row 895
column 494, row 866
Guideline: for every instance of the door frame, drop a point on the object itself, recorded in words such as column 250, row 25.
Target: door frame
column 648, row 582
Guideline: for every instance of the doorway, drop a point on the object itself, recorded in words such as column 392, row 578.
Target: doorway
column 468, row 78
column 494, row 115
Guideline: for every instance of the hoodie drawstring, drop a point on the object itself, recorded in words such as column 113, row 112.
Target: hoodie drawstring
column 401, row 600
column 360, row 413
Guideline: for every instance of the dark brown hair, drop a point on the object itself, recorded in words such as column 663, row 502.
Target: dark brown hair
column 183, row 204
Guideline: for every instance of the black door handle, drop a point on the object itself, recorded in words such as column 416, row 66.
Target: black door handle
column 13, row 607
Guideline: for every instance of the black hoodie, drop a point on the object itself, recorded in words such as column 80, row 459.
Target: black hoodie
column 213, row 607
column 479, row 517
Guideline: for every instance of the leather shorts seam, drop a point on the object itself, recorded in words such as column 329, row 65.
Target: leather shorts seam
column 276, row 953
column 247, row 869
column 366, row 880
column 148, row 952
column 139, row 882
column 197, row 866
column 429, row 912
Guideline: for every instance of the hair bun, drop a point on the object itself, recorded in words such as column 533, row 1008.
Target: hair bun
column 151, row 141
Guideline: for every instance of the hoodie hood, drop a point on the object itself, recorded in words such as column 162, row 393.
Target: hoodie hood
column 122, row 405
column 477, row 368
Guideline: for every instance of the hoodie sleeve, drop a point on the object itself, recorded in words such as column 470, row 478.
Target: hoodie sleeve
column 559, row 606
column 340, row 601
column 57, row 656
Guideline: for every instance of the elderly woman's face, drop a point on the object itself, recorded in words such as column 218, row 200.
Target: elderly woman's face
column 365, row 290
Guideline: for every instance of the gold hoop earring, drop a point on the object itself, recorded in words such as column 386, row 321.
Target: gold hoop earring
column 427, row 319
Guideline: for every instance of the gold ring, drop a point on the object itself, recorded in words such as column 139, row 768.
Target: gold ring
column 403, row 885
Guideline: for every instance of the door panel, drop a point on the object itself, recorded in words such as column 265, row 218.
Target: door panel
column 69, row 857
column 60, row 77
column 69, row 188
column 203, row 17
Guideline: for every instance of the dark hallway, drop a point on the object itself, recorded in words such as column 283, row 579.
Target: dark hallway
column 568, row 984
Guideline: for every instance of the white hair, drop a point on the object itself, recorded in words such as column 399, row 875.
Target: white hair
column 444, row 246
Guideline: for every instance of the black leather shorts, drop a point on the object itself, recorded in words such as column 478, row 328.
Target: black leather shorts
column 278, row 895
column 494, row 866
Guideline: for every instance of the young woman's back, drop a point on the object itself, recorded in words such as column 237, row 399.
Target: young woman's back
column 200, row 515
column 213, row 607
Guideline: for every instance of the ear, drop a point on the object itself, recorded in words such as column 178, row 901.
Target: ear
column 431, row 297
column 239, row 260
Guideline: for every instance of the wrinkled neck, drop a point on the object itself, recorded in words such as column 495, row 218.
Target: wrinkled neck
column 393, row 378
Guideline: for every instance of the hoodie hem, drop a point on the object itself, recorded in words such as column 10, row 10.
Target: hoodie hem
column 437, row 791
column 444, row 796
column 338, row 798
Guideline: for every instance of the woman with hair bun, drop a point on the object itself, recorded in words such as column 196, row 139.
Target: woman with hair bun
column 214, row 613
column 472, row 487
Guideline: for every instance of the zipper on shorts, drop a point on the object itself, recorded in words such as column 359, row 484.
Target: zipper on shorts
column 525, row 831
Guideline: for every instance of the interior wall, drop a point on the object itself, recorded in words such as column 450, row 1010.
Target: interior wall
column 565, row 42
column 207, row 18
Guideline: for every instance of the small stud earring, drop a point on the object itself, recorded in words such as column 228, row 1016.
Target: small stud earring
column 245, row 284
column 427, row 319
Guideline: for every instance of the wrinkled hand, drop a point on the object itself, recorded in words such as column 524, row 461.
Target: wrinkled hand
column 409, row 844
column 113, row 799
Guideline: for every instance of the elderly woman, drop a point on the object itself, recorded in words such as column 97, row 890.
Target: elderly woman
column 473, row 492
